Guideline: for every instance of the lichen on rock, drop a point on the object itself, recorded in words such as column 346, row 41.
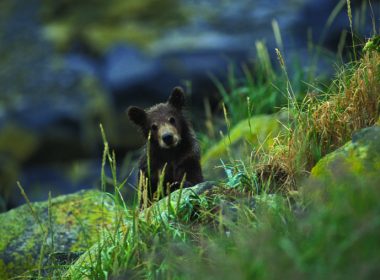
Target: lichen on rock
column 360, row 157
column 31, row 239
column 255, row 130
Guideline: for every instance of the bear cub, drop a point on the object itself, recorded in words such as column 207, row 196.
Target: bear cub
column 172, row 144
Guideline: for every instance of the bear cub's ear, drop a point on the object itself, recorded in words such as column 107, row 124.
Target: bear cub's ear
column 137, row 115
column 177, row 98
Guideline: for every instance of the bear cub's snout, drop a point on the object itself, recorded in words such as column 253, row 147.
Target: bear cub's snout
column 168, row 139
column 168, row 136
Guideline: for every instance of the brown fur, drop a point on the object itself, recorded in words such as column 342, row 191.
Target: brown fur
column 172, row 143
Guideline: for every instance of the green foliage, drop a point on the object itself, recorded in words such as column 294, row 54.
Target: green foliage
column 373, row 44
column 263, row 87
column 329, row 231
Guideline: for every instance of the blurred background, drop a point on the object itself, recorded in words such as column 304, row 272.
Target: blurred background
column 66, row 66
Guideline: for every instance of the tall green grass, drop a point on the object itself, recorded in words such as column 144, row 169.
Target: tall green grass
column 325, row 232
column 335, row 238
column 266, row 84
column 262, row 84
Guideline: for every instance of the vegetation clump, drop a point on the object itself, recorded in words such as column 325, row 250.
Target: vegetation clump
column 321, row 124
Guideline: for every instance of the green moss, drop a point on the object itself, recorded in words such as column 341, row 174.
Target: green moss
column 361, row 156
column 259, row 130
column 373, row 44
column 12, row 226
column 74, row 226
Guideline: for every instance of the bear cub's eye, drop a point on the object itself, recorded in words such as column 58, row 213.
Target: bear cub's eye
column 154, row 127
column 172, row 120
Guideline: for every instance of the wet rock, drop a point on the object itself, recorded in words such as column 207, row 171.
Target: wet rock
column 124, row 66
column 49, row 112
column 17, row 144
column 44, row 92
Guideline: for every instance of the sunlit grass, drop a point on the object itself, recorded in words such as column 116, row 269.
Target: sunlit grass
column 321, row 124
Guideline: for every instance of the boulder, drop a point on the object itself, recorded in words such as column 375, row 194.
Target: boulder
column 258, row 131
column 359, row 157
column 45, row 234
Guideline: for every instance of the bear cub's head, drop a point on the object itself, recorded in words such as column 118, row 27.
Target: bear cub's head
column 165, row 121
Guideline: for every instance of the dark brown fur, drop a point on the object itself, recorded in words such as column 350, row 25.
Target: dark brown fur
column 182, row 156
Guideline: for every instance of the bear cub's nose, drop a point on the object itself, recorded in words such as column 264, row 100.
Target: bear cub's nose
column 168, row 139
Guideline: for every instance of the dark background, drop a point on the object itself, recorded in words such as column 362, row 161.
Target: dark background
column 67, row 65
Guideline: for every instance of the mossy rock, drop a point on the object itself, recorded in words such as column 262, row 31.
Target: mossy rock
column 45, row 234
column 360, row 157
column 258, row 130
column 179, row 201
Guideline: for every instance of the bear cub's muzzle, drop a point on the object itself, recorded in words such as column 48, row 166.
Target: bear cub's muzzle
column 168, row 136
